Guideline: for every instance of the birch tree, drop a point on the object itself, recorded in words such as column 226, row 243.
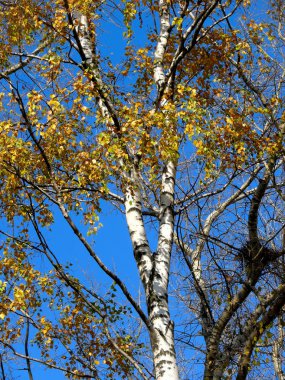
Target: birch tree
column 82, row 128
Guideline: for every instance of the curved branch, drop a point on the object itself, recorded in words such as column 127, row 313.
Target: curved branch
column 257, row 332
column 44, row 362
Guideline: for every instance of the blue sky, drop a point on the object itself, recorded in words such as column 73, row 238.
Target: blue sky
column 112, row 242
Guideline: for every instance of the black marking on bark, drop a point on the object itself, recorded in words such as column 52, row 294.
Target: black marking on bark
column 140, row 250
column 165, row 262
column 163, row 353
column 159, row 316
column 135, row 208
column 170, row 193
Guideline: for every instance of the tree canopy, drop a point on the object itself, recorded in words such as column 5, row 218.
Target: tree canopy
column 171, row 113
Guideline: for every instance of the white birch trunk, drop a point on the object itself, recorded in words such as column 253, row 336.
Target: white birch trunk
column 159, row 75
column 162, row 328
column 162, row 334
column 138, row 236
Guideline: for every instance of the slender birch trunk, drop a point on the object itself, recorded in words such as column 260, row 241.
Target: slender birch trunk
column 162, row 328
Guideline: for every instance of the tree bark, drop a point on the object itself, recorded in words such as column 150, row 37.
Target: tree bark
column 162, row 331
column 154, row 272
